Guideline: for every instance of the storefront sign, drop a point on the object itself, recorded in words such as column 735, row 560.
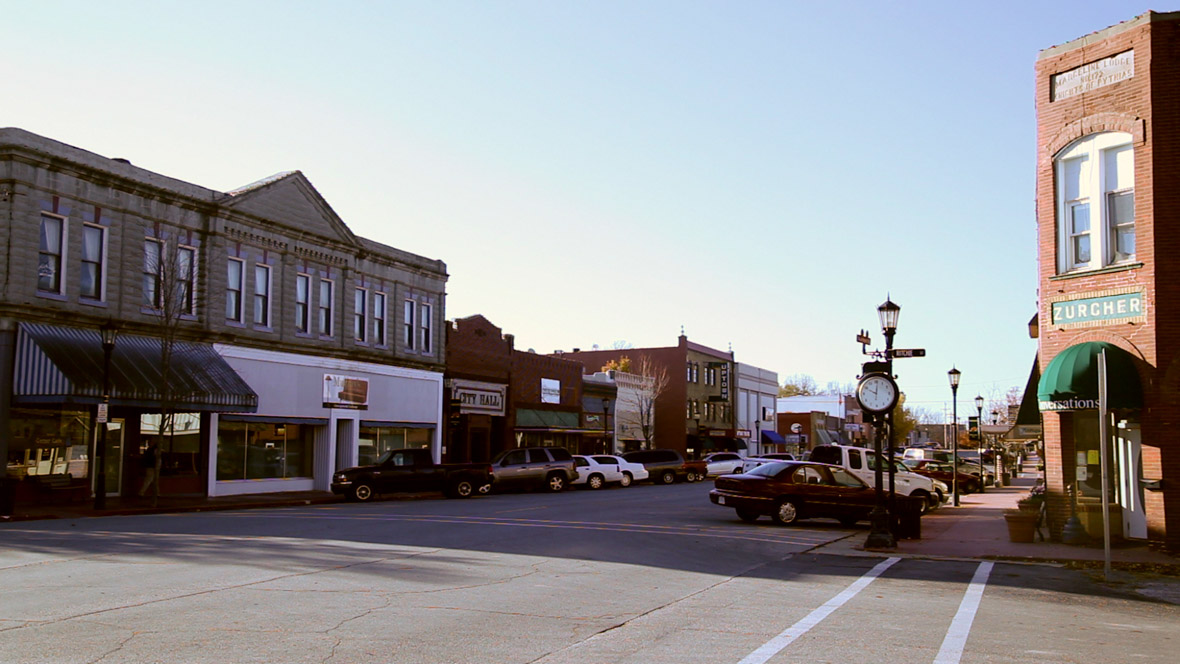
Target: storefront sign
column 1068, row 404
column 550, row 390
column 346, row 392
column 476, row 398
column 1094, row 75
column 1108, row 308
column 725, row 381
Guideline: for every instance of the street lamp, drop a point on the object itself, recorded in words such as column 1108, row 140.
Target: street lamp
column 995, row 444
column 953, row 375
column 979, row 440
column 109, row 332
column 888, row 313
column 606, row 439
column 881, row 534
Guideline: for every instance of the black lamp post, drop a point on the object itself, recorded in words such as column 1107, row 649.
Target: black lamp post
column 881, row 533
column 109, row 333
column 979, row 440
column 995, row 447
column 606, row 437
column 954, row 375
column 888, row 313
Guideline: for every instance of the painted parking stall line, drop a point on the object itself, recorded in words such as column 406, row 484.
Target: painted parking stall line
column 956, row 637
column 775, row 645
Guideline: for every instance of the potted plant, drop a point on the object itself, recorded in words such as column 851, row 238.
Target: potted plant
column 1033, row 501
column 1022, row 525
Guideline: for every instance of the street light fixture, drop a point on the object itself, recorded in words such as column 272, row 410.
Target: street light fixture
column 954, row 375
column 109, row 333
column 995, row 445
column 881, row 533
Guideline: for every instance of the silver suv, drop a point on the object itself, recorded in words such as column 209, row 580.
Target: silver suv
column 549, row 468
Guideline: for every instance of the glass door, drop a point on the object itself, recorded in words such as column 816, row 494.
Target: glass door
column 114, row 457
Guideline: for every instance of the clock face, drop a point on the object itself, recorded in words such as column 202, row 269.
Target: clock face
column 876, row 393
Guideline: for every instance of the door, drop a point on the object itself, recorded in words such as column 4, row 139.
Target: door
column 1129, row 454
column 113, row 459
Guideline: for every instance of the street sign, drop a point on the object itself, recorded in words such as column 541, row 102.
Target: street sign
column 909, row 352
column 102, row 414
column 863, row 338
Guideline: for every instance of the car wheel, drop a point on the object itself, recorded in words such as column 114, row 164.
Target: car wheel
column 626, row 481
column 485, row 489
column 786, row 512
column 747, row 516
column 362, row 492
column 463, row 489
column 555, row 483
column 848, row 521
column 971, row 487
column 691, row 476
column 926, row 504
column 595, row 481
column 667, row 477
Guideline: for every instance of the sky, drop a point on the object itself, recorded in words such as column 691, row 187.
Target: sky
column 760, row 175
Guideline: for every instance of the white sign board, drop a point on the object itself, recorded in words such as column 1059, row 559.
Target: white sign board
column 1094, row 75
column 550, row 390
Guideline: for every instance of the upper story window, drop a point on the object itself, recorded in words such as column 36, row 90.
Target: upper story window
column 1095, row 203
column 408, row 325
column 424, row 319
column 710, row 375
column 186, row 278
column 50, row 256
column 169, row 277
column 93, row 252
column 235, row 273
column 325, row 319
column 303, row 303
column 262, row 295
column 360, row 306
column 379, row 319
column 688, row 372
column 151, row 273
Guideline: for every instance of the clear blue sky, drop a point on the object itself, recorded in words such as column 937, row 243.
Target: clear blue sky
column 763, row 174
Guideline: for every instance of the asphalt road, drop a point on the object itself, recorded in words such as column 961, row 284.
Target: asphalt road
column 638, row 575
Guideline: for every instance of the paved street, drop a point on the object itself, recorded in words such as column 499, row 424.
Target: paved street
column 645, row 574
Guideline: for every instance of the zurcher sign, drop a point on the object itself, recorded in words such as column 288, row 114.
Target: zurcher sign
column 1100, row 309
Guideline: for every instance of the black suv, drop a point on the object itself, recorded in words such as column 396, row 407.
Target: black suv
column 667, row 466
column 550, row 468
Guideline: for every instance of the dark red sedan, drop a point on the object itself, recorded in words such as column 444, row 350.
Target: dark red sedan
column 938, row 470
column 791, row 490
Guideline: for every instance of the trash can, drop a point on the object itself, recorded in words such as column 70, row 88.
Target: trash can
column 907, row 518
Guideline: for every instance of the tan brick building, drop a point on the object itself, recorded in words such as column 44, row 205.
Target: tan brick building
column 1108, row 214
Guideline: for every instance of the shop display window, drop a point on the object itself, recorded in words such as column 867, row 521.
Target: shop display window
column 264, row 450
column 48, row 442
column 377, row 440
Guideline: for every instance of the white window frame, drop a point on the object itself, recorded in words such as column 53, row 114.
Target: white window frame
column 151, row 297
column 265, row 284
column 360, row 323
column 324, row 325
column 62, row 246
column 408, row 311
column 191, row 283
column 101, row 263
column 380, row 314
column 1094, row 194
column 237, row 316
column 304, row 305
column 425, row 328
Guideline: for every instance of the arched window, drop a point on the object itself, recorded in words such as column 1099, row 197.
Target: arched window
column 1095, row 203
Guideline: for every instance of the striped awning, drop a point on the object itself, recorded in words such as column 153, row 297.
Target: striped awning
column 64, row 365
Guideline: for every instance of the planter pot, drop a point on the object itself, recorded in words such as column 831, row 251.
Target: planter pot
column 1022, row 526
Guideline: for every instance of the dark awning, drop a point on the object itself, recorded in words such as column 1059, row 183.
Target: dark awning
column 772, row 438
column 64, row 365
column 1070, row 382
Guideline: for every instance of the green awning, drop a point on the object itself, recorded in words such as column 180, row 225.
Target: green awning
column 1070, row 382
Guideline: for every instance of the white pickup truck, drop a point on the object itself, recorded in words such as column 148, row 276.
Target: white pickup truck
column 862, row 462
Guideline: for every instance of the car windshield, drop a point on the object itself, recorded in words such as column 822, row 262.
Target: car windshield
column 385, row 457
column 769, row 469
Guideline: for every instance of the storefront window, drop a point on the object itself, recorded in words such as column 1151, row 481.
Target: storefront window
column 377, row 440
column 179, row 442
column 257, row 450
column 1089, row 459
column 48, row 442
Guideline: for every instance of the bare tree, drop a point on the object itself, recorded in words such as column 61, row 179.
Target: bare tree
column 640, row 403
column 798, row 385
column 169, row 279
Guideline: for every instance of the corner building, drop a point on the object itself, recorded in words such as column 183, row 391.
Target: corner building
column 1108, row 219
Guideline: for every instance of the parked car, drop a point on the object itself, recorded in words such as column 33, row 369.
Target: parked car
column 968, row 483
column 549, row 468
column 778, row 456
column 969, row 461
column 410, row 470
column 632, row 472
column 668, row 466
column 788, row 491
column 722, row 463
column 862, row 462
column 750, row 463
column 595, row 474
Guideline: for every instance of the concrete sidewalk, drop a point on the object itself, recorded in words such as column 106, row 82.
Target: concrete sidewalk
column 170, row 504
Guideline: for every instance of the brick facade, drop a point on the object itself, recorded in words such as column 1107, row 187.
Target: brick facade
column 1143, row 105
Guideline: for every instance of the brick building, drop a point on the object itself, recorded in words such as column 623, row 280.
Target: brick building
column 1108, row 159
column 695, row 413
column 298, row 347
